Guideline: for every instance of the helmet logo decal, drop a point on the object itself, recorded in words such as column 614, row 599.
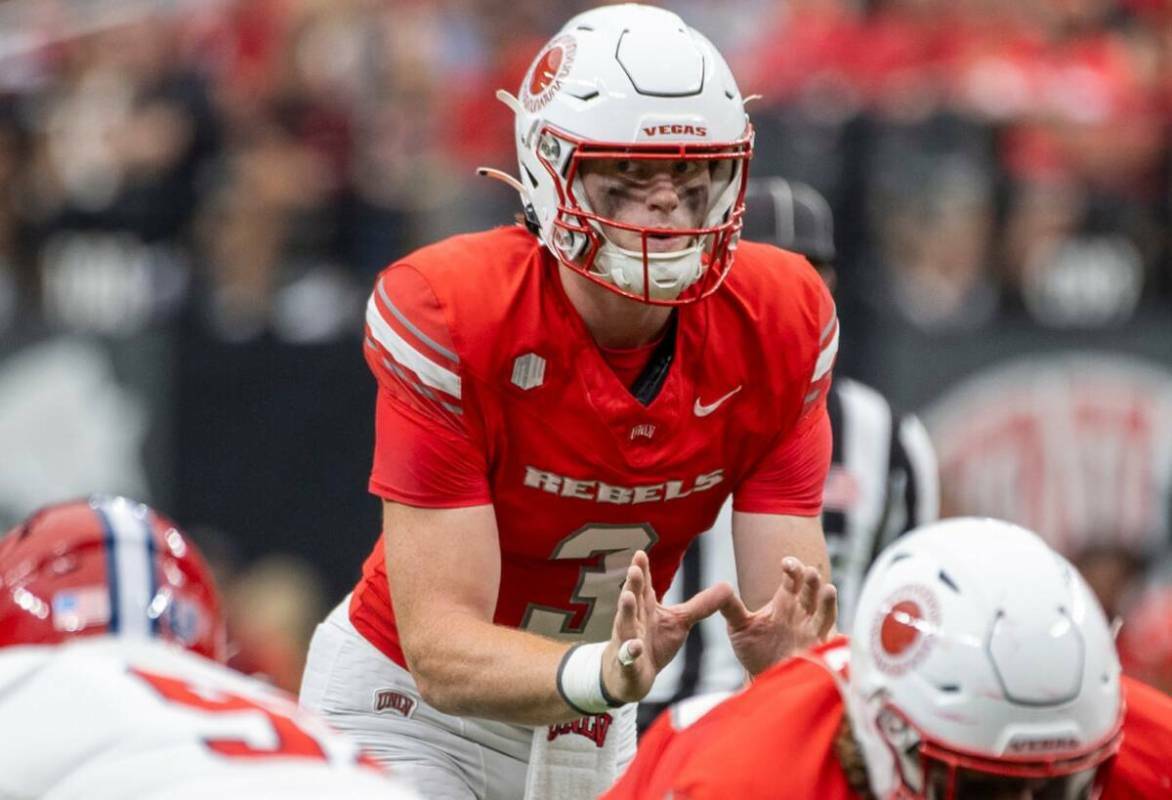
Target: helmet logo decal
column 547, row 73
column 898, row 631
column 546, row 70
column 902, row 633
column 84, row 607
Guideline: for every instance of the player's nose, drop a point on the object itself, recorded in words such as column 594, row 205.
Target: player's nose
column 664, row 196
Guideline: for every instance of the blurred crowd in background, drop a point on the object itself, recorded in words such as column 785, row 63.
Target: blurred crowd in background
column 195, row 198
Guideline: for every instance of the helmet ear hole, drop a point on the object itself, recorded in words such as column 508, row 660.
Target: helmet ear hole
column 566, row 242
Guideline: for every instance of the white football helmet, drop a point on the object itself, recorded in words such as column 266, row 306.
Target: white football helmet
column 980, row 655
column 631, row 82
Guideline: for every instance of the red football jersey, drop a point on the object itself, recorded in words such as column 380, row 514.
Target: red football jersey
column 791, row 716
column 492, row 390
column 1143, row 767
column 775, row 739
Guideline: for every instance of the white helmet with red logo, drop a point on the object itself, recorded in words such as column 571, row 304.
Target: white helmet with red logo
column 631, row 81
column 980, row 655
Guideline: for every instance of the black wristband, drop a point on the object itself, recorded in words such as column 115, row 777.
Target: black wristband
column 611, row 702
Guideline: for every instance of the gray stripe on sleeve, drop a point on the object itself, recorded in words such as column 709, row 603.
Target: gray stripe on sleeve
column 420, row 335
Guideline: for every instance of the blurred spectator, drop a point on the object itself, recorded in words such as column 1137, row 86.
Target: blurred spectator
column 265, row 237
column 1145, row 640
column 933, row 216
column 1066, row 272
column 69, row 427
column 272, row 608
column 120, row 139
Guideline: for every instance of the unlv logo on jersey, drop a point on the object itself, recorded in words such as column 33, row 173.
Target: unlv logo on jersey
column 593, row 728
column 390, row 700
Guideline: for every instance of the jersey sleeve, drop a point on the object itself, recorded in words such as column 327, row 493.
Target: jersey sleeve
column 656, row 742
column 791, row 478
column 816, row 387
column 1143, row 767
column 424, row 453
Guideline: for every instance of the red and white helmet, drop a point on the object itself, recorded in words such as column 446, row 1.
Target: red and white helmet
column 631, row 82
column 106, row 565
column 980, row 655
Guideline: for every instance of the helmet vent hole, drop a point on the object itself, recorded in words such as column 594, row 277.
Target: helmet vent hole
column 585, row 28
column 947, row 580
column 950, row 688
column 530, row 176
column 729, row 94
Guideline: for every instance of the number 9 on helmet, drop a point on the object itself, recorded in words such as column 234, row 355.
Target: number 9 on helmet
column 106, row 565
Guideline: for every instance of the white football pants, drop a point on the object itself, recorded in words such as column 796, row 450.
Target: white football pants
column 370, row 698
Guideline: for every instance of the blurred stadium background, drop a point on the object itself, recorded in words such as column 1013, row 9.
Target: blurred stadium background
column 196, row 195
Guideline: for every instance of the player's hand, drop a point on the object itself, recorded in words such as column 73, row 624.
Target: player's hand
column 799, row 615
column 646, row 634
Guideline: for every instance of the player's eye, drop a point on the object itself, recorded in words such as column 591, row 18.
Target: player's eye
column 623, row 167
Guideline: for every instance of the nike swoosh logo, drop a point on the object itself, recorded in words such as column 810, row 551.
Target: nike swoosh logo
column 702, row 410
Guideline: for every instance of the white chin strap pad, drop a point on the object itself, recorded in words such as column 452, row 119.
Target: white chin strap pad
column 670, row 273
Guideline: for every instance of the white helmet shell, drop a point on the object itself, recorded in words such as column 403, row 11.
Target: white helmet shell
column 972, row 638
column 630, row 81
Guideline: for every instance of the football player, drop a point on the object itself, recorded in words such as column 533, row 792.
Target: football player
column 980, row 666
column 110, row 686
column 883, row 478
column 564, row 405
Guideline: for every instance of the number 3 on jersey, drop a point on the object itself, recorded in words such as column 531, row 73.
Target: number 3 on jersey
column 598, row 583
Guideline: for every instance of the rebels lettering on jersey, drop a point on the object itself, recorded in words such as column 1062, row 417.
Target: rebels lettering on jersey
column 601, row 492
column 492, row 390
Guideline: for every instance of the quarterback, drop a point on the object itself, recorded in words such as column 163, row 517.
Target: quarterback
column 110, row 686
column 980, row 667
column 563, row 406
